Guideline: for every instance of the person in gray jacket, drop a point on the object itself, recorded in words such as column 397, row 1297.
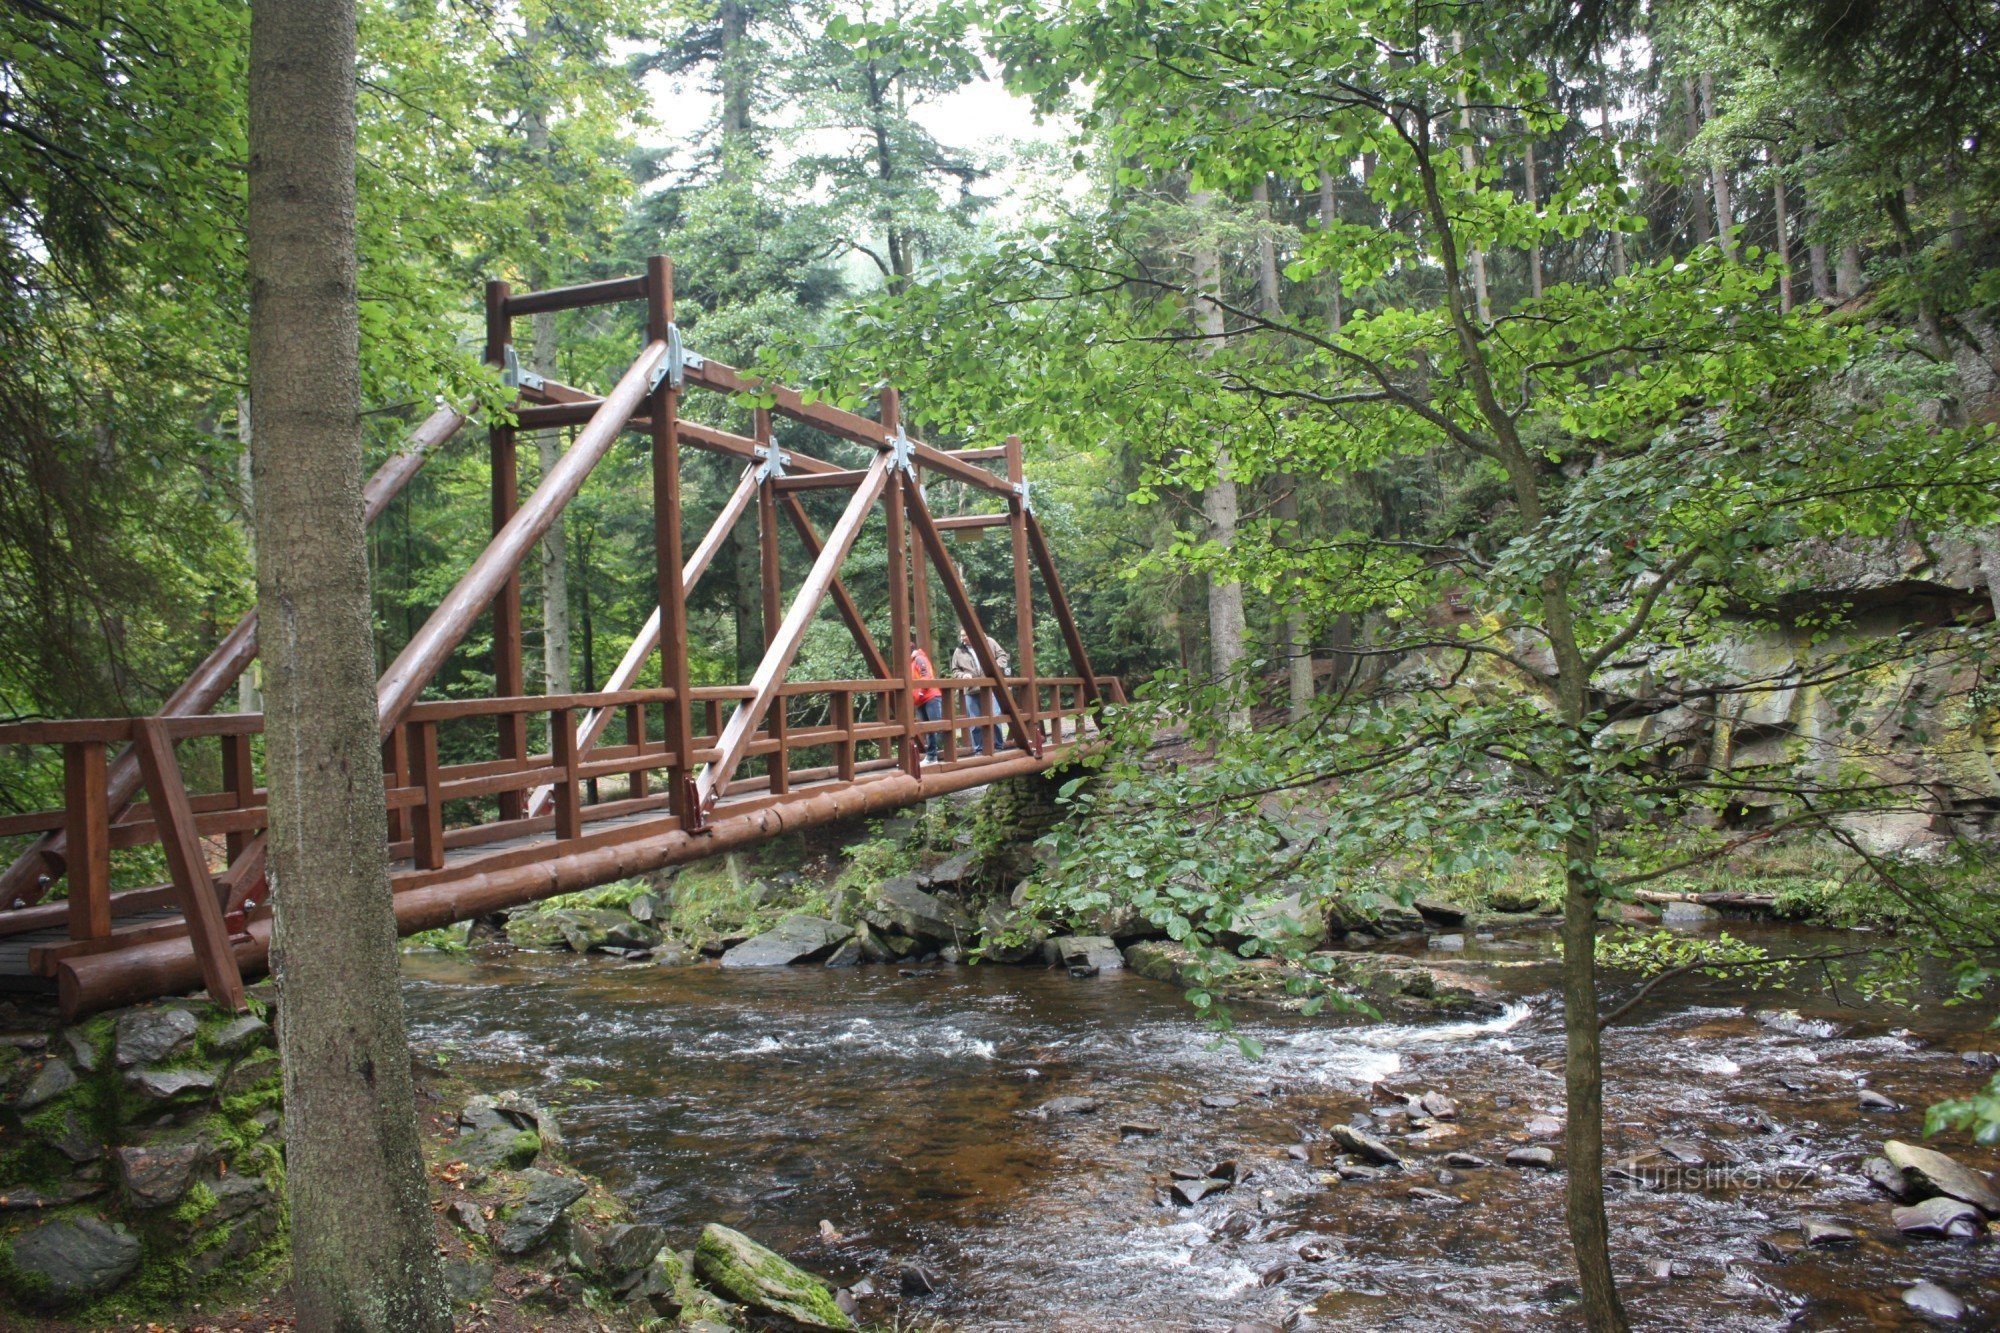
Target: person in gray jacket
column 979, row 703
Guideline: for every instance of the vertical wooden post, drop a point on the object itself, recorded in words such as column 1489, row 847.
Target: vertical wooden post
column 635, row 731
column 899, row 598
column 509, row 677
column 774, row 596
column 1024, row 585
column 186, row 865
column 395, row 765
column 567, row 794
column 426, row 819
column 843, row 749
column 667, row 551
column 239, row 776
column 920, row 592
column 87, row 823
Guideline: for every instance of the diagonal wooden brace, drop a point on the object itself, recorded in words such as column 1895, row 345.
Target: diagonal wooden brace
column 188, row 867
column 770, row 674
column 857, row 625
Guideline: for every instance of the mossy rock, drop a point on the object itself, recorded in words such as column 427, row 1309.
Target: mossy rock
column 741, row 1269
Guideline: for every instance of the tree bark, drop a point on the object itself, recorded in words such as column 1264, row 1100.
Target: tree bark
column 1294, row 648
column 1781, row 204
column 249, row 699
column 1218, row 502
column 362, row 1251
column 1847, row 279
column 1699, row 216
column 1469, row 160
column 1718, row 176
column 1534, row 201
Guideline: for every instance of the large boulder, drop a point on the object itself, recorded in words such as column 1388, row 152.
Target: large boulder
column 51, row 1081
column 796, row 939
column 1942, row 1175
column 158, row 1174
column 902, row 907
column 1285, row 918
column 744, row 1271
column 1009, row 935
column 529, row 1222
column 1097, row 952
column 75, row 1258
column 581, row 929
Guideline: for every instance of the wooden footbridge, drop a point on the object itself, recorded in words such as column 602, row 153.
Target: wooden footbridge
column 633, row 778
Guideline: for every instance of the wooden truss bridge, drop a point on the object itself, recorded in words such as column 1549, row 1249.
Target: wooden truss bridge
column 633, row 778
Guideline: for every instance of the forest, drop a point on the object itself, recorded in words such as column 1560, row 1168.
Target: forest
column 1525, row 461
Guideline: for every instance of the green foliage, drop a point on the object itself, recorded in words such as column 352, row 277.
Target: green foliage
column 1979, row 1114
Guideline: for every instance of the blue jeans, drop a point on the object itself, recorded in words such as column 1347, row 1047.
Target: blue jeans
column 983, row 738
column 931, row 711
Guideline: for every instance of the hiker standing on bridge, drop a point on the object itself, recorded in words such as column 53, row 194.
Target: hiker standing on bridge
column 979, row 702
column 930, row 699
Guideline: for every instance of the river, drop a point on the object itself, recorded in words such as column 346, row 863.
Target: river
column 889, row 1103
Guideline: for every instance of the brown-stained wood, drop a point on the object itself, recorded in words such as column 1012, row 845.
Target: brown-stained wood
column 188, row 868
column 671, row 590
column 1079, row 657
column 86, row 800
column 850, row 613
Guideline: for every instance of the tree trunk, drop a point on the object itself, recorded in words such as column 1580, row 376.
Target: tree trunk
column 1718, row 175
column 1699, row 216
column 1218, row 502
column 1618, row 262
column 1470, row 162
column 249, row 699
column 1534, row 201
column 1847, row 279
column 1329, row 214
column 1781, row 204
column 1294, row 650
column 363, row 1257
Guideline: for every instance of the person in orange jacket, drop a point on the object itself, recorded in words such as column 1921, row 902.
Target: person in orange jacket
column 930, row 699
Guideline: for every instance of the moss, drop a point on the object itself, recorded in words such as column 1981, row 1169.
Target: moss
column 523, row 1150
column 18, row 1283
column 33, row 1165
column 198, row 1203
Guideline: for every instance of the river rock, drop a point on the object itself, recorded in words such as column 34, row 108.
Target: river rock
column 915, row 1280
column 1446, row 942
column 903, row 907
column 147, row 1036
column 846, row 954
column 1466, row 1161
column 1440, row 913
column 1092, row 951
column 1943, row 1175
column 77, row 1257
column 1134, row 1129
column 1823, row 1233
column 166, row 1084
column 1688, row 914
column 948, row 874
column 1878, row 1172
column 673, row 953
column 1060, row 1106
column 643, row 907
column 1438, row 1106
column 627, row 1250
column 588, row 928
column 51, row 1081
column 467, row 1279
column 737, row 1267
column 1542, row 1159
column 83, row 1052
column 238, row 1036
column 1188, row 1193
column 1010, row 935
column 527, row 1224
column 796, row 939
column 1933, row 1301
column 1363, row 1144
column 1221, row 1101
column 157, row 1174
column 1545, row 1127
column 1938, row 1217
column 1870, row 1100
column 1422, row 1195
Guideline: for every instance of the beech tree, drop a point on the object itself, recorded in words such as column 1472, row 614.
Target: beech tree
column 1651, row 454
column 363, row 1257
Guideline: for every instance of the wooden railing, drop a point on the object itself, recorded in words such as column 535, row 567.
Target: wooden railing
column 836, row 732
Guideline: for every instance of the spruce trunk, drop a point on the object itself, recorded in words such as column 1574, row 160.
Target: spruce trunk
column 363, row 1255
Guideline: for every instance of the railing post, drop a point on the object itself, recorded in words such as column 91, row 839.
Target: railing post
column 843, row 749
column 427, row 818
column 239, row 776
column 87, row 825
column 509, row 676
column 567, row 794
column 395, row 763
column 951, row 702
column 667, row 555
column 635, row 732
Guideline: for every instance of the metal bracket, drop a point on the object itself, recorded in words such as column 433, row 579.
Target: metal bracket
column 773, row 466
column 675, row 364
column 513, row 377
column 1021, row 492
column 902, row 455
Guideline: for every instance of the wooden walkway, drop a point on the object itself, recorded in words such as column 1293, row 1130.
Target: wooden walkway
column 631, row 779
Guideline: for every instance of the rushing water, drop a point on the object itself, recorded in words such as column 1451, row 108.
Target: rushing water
column 886, row 1104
